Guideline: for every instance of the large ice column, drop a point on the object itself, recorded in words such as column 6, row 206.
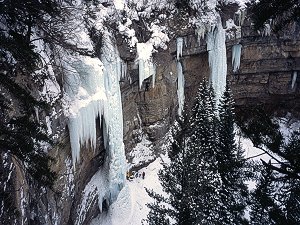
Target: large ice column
column 217, row 58
column 236, row 56
column 146, row 65
column 180, row 88
column 114, row 118
column 92, row 90
column 180, row 77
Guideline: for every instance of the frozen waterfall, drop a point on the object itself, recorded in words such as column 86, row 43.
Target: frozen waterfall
column 92, row 89
column 146, row 65
column 217, row 58
column 236, row 56
column 180, row 77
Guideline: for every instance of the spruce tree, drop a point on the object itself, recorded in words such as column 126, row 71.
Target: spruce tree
column 205, row 180
column 174, row 178
column 290, row 192
column 264, row 210
column 230, row 165
column 281, row 12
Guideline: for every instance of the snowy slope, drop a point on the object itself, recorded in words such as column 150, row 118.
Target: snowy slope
column 130, row 207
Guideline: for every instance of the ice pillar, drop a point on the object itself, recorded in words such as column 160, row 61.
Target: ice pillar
column 217, row 58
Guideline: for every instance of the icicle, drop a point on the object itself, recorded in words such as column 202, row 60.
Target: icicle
column 84, row 86
column 36, row 109
column 240, row 17
column 200, row 33
column 295, row 75
column 180, row 88
column 236, row 56
column 266, row 30
column 124, row 69
column 146, row 66
column 217, row 59
column 179, row 43
column 153, row 76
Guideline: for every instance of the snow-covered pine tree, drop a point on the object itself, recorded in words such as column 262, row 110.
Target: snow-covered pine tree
column 230, row 165
column 205, row 180
column 292, row 181
column 264, row 209
column 174, row 178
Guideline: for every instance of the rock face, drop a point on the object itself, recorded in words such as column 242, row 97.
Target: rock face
column 268, row 65
column 267, row 68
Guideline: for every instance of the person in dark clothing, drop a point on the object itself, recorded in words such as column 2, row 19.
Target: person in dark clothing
column 143, row 175
column 147, row 86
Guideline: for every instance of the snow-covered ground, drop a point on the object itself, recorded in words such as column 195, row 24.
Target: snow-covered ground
column 130, row 207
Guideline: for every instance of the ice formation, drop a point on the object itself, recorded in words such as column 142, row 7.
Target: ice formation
column 294, row 78
column 179, row 43
column 240, row 14
column 180, row 88
column 236, row 56
column 93, row 90
column 200, row 32
column 267, row 30
column 180, row 77
column 146, row 65
column 217, row 58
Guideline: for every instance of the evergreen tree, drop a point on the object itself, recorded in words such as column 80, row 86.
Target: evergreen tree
column 281, row 12
column 290, row 192
column 276, row 200
column 175, row 182
column 230, row 165
column 205, row 180
column 264, row 208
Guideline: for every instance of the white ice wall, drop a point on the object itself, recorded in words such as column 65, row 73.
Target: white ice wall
column 180, row 77
column 217, row 58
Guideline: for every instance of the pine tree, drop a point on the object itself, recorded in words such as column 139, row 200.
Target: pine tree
column 264, row 208
column 230, row 165
column 291, row 180
column 205, row 178
column 174, row 179
column 281, row 12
